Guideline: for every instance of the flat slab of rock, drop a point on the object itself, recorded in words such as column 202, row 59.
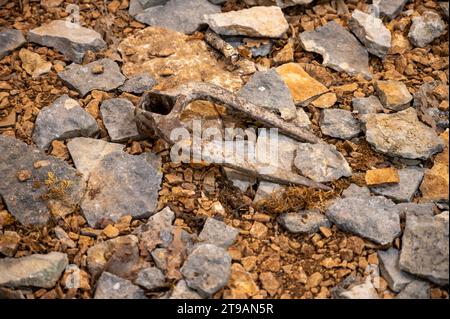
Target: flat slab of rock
column 48, row 184
column 355, row 190
column 305, row 222
column 321, row 162
column 121, row 185
column 63, row 119
column 217, row 233
column 103, row 75
column 207, row 269
column 341, row 51
column 267, row 89
column 150, row 278
column 157, row 229
column 71, row 39
column 390, row 270
column 410, row 179
column 402, row 134
column 10, row 39
column 259, row 21
column 426, row 28
column 393, row 94
column 179, row 15
column 405, row 209
column 119, row 119
column 33, row 271
column 425, row 247
column 138, row 84
column 374, row 218
column 266, row 189
column 110, row 286
column 33, row 63
column 339, row 123
column 182, row 291
column 367, row 105
column 416, row 289
column 371, row 32
column 389, row 8
column 382, row 176
column 239, row 180
column 303, row 87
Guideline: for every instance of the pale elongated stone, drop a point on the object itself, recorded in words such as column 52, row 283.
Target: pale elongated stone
column 426, row 28
column 110, row 286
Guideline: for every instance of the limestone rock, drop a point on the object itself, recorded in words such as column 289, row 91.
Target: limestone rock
column 150, row 278
column 217, row 233
column 393, row 94
column 367, row 105
column 325, row 101
column 9, row 242
column 390, row 270
column 138, row 84
column 389, row 8
column 405, row 209
column 10, row 39
column 426, row 28
column 119, row 119
column 63, row 119
column 382, row 176
column 34, row 64
column 339, row 123
column 182, row 291
column 110, row 286
column 266, row 189
column 239, row 180
column 355, row 190
column 416, row 289
column 305, row 222
column 71, row 39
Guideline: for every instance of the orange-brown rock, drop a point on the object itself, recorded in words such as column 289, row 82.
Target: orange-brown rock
column 382, row 176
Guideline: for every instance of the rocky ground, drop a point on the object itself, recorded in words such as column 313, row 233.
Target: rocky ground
column 92, row 207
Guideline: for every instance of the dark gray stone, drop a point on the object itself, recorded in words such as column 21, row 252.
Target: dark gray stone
column 138, row 84
column 341, row 51
column 415, row 290
column 150, row 278
column 426, row 28
column 32, row 200
column 63, row 119
column 83, row 79
column 35, row 270
column 389, row 8
column 207, row 269
column 304, row 222
column 110, row 286
column 10, row 39
column 217, row 233
column 374, row 218
column 119, row 119
column 367, row 105
column 390, row 270
column 339, row 123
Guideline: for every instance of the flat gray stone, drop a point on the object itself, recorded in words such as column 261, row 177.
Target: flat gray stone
column 63, row 119
column 182, row 291
column 389, row 8
column 405, row 209
column 31, row 201
column 371, row 32
column 390, row 270
column 159, row 224
column 427, row 102
column 121, row 185
column 150, row 278
column 110, row 286
column 321, row 162
column 425, row 248
column 36, row 270
column 217, row 233
column 304, row 222
column 10, row 39
column 340, row 50
column 83, row 79
column 71, row 39
column 374, row 218
column 426, row 28
column 402, row 134
column 355, row 190
column 239, row 180
column 266, row 189
column 86, row 153
column 119, row 119
column 207, row 269
column 179, row 15
column 138, row 84
column 410, row 179
column 367, row 105
column 416, row 289
column 339, row 123
column 267, row 89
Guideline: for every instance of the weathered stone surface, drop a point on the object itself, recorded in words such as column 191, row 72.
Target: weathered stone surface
column 445, row 7
column 86, row 153
column 138, row 84
column 280, row 3
column 355, row 190
column 239, row 180
column 33, row 63
column 303, row 87
column 63, row 119
column 389, row 8
column 257, row 21
column 266, row 189
column 425, row 248
column 217, row 233
column 339, row 123
column 35, row 270
column 84, row 78
column 393, row 94
column 390, row 270
column 374, row 218
column 321, row 162
column 426, row 28
column 241, row 282
column 150, row 278
column 325, row 101
column 158, row 228
column 10, row 39
column 60, row 188
column 207, row 269
column 405, row 209
column 354, row 288
column 172, row 60
column 182, row 291
column 110, row 286
column 371, row 32
column 341, row 51
column 410, row 179
column 402, row 134
column 119, row 119
column 267, row 89
column 179, row 15
column 121, row 185
column 305, row 222
column 427, row 101
column 367, row 105
column 71, row 39
column 9, row 241
column 382, row 176
column 416, row 289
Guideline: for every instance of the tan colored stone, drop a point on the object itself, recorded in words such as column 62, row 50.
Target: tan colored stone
column 249, row 263
column 326, row 231
column 382, row 176
column 33, row 63
column 269, row 282
column 258, row 230
column 242, row 281
column 9, row 120
column 325, row 101
column 393, row 95
column 111, row 231
column 286, row 54
column 314, row 280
